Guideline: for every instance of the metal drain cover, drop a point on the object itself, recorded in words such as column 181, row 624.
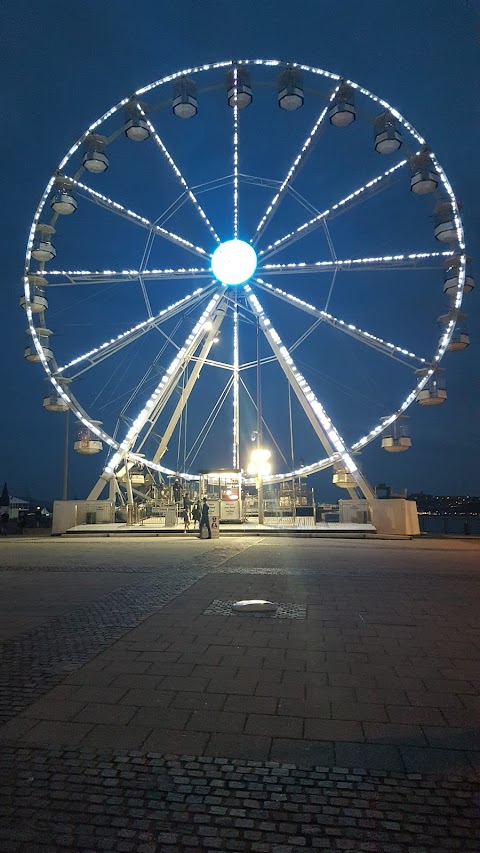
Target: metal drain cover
column 255, row 605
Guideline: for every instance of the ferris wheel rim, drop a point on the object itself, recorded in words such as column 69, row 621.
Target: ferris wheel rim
column 71, row 400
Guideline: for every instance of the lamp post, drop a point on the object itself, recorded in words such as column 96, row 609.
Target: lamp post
column 65, row 458
column 259, row 467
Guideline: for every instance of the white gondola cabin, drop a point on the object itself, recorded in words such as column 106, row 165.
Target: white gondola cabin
column 452, row 272
column 38, row 301
column 30, row 351
column 53, row 401
column 444, row 222
column 460, row 338
column 63, row 201
column 423, row 175
column 396, row 438
column 43, row 249
column 342, row 111
column 434, row 392
column 94, row 159
column 136, row 127
column 184, row 104
column 388, row 137
column 290, row 89
column 343, row 478
column 239, row 91
column 87, row 441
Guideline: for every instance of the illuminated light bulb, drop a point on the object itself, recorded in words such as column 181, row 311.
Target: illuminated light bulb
column 234, row 262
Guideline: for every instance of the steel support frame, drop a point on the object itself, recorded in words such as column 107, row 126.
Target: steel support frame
column 217, row 321
column 321, row 423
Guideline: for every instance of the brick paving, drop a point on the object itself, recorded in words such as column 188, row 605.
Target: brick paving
column 137, row 802
column 138, row 722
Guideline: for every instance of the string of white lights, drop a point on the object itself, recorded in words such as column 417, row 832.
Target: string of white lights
column 396, row 261
column 135, row 217
column 169, row 379
column 293, row 169
column 178, row 173
column 462, row 269
column 102, row 276
column 236, row 395
column 425, row 377
column 308, row 226
column 349, row 328
column 235, row 152
column 144, row 325
column 301, row 386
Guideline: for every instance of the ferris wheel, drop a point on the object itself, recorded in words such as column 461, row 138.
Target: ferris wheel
column 171, row 253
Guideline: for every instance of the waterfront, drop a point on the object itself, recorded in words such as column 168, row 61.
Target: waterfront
column 449, row 525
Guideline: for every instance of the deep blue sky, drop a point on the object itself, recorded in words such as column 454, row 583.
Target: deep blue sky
column 64, row 64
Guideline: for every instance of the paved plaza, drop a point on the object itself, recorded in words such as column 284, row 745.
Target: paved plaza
column 139, row 713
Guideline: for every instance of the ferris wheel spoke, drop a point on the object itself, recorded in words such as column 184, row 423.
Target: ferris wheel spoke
column 298, row 162
column 264, row 423
column 132, row 216
column 380, row 182
column 235, row 111
column 190, row 194
column 108, row 348
column 67, row 278
column 146, row 378
column 209, row 332
column 207, row 426
column 415, row 260
column 322, row 424
column 410, row 359
column 164, row 389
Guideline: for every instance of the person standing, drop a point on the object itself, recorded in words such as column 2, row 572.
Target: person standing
column 204, row 519
column 197, row 513
column 186, row 511
column 4, row 519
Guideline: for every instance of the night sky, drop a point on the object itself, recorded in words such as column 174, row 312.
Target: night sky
column 63, row 65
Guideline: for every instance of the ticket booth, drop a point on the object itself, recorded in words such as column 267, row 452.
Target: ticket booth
column 223, row 491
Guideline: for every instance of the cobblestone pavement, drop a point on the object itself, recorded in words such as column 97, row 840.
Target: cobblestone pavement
column 132, row 802
column 135, row 721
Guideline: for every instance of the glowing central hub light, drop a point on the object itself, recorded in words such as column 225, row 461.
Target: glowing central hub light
column 234, row 262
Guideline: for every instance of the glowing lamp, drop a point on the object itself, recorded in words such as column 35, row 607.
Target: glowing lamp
column 259, row 465
column 234, row 262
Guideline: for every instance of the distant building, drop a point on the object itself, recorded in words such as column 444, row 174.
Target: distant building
column 17, row 505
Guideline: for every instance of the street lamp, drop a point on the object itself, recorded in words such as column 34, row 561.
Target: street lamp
column 259, row 467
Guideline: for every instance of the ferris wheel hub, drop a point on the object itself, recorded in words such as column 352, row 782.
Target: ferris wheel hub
column 234, row 262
